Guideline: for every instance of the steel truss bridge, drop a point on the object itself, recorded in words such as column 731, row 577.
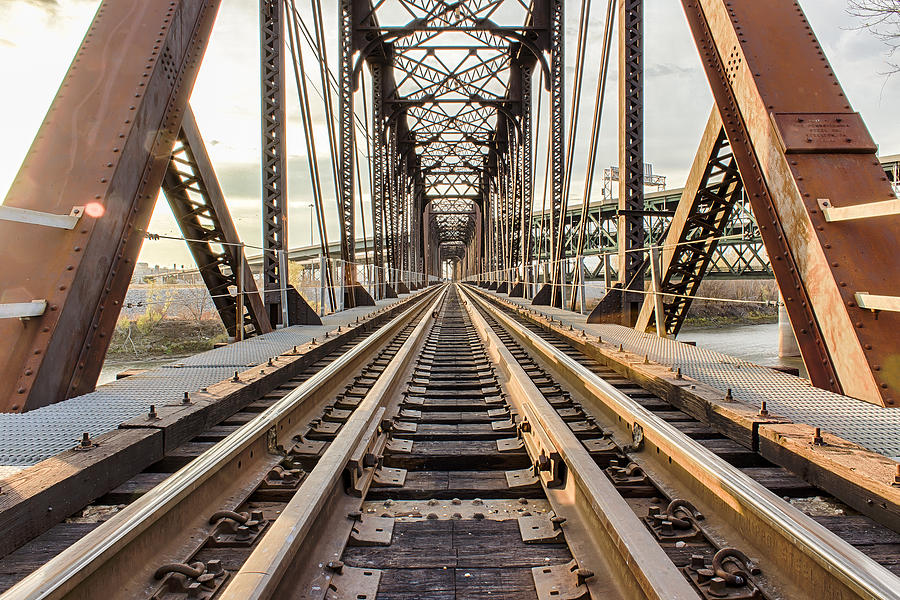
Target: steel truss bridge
column 447, row 117
column 740, row 253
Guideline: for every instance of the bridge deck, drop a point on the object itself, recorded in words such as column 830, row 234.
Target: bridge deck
column 28, row 438
column 870, row 426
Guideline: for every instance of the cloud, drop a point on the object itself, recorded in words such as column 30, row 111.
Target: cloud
column 51, row 6
column 666, row 69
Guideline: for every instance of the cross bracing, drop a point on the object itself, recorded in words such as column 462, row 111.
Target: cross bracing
column 452, row 115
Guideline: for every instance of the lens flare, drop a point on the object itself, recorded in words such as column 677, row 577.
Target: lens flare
column 94, row 209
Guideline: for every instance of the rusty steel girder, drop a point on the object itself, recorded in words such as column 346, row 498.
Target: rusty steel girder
column 710, row 193
column 197, row 202
column 104, row 145
column 798, row 144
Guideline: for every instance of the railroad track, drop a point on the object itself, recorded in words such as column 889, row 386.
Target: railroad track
column 459, row 452
column 873, row 539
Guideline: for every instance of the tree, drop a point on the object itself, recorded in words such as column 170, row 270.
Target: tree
column 882, row 19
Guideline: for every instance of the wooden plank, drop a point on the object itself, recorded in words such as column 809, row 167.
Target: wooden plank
column 216, row 433
column 781, row 482
column 674, row 416
column 697, row 431
column 499, row 544
column 180, row 456
column 859, row 530
column 435, row 416
column 445, row 485
column 420, row 545
column 448, row 456
column 37, row 552
column 734, row 453
column 411, row 584
column 496, row 584
column 40, row 496
column 134, row 488
column 458, row 431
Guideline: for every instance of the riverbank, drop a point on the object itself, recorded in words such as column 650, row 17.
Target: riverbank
column 156, row 339
column 163, row 323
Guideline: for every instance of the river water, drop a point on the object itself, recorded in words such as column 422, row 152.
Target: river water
column 757, row 343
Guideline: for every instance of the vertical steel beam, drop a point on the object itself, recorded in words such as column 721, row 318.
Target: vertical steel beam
column 379, row 174
column 347, row 18
column 527, row 165
column 388, row 208
column 274, row 161
column 104, row 145
column 631, row 235
column 558, row 203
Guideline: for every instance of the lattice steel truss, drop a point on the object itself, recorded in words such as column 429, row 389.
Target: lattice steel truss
column 197, row 202
column 631, row 152
column 452, row 109
column 274, row 162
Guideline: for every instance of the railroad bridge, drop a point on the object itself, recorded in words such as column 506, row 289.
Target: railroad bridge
column 437, row 420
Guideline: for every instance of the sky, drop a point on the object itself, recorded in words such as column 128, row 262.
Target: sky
column 38, row 39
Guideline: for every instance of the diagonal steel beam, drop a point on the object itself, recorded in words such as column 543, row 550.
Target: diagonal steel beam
column 710, row 193
column 798, row 142
column 193, row 192
column 133, row 75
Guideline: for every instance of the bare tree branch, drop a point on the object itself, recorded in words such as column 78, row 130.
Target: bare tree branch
column 882, row 19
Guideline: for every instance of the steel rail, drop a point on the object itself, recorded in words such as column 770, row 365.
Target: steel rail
column 261, row 573
column 608, row 530
column 772, row 517
column 65, row 572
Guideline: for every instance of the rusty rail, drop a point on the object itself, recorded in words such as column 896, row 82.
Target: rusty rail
column 113, row 555
column 817, row 559
column 615, row 541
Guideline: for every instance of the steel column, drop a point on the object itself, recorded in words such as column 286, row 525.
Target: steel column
column 379, row 144
column 631, row 237
column 274, row 161
column 558, row 203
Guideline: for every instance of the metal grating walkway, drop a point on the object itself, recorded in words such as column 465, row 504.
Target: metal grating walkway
column 26, row 439
column 870, row 426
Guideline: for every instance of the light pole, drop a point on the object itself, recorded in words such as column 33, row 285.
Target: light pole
column 311, row 224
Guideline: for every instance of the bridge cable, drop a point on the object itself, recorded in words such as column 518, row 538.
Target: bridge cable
column 595, row 136
column 583, row 24
column 324, row 73
column 299, row 75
